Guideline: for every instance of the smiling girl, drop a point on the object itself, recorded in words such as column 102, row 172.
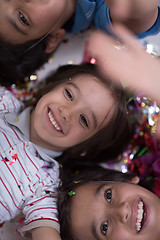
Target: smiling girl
column 105, row 204
column 78, row 115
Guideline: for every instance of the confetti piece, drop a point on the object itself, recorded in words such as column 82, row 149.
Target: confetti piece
column 93, row 60
column 5, row 159
column 76, row 182
column 47, row 192
column 71, row 193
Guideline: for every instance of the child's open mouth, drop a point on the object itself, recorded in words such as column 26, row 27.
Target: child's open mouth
column 141, row 215
column 53, row 121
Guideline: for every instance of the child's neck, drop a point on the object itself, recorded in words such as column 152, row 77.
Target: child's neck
column 142, row 24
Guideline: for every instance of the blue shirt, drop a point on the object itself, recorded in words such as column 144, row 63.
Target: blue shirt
column 151, row 37
column 95, row 13
column 90, row 13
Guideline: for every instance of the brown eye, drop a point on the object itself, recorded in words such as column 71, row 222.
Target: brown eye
column 108, row 195
column 104, row 228
column 84, row 120
column 23, row 19
column 68, row 95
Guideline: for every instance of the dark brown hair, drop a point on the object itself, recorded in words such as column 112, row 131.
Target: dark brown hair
column 111, row 140
column 19, row 61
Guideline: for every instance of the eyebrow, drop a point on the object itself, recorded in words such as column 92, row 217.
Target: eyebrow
column 93, row 115
column 93, row 227
column 13, row 23
column 94, row 232
column 98, row 190
column 74, row 85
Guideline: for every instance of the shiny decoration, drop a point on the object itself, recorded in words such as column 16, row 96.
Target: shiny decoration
column 142, row 155
column 76, row 182
column 51, row 59
column 150, row 49
column 93, row 60
column 71, row 193
column 47, row 192
column 5, row 159
column 33, row 77
column 71, row 62
column 14, row 156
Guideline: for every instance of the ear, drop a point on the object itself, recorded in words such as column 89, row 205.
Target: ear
column 135, row 180
column 53, row 40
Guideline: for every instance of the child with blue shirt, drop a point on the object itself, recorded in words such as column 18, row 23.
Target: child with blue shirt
column 35, row 30
column 31, row 30
column 140, row 16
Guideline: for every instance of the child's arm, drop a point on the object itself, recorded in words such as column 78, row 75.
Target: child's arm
column 45, row 233
column 131, row 65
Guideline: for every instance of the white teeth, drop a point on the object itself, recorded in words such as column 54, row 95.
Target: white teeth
column 139, row 216
column 51, row 118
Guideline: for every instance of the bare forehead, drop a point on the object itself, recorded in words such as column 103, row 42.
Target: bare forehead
column 90, row 186
column 90, row 77
column 83, row 202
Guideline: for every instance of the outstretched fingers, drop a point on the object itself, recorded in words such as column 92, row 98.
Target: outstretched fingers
column 124, row 59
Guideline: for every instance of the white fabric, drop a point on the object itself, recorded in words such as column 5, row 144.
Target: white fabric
column 30, row 183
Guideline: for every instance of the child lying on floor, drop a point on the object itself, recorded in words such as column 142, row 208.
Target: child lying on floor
column 105, row 204
column 73, row 115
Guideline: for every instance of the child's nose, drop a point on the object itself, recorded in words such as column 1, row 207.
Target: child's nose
column 65, row 113
column 122, row 212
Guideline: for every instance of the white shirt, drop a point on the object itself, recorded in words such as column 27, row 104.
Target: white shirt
column 29, row 175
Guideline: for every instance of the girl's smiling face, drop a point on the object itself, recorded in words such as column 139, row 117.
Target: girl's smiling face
column 71, row 113
column 115, row 210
